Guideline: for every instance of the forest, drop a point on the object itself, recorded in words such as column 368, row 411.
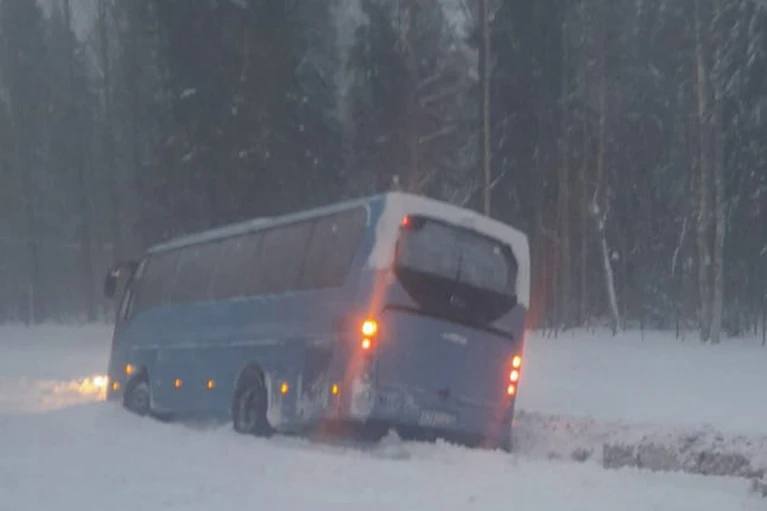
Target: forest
column 627, row 138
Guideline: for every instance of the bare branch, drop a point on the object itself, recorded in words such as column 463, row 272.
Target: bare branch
column 442, row 132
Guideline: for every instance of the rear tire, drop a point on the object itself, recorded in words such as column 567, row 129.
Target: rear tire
column 250, row 404
column 137, row 397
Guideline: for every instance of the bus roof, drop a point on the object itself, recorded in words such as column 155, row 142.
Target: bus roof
column 395, row 206
column 256, row 224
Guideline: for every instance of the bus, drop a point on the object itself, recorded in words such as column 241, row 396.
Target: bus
column 389, row 312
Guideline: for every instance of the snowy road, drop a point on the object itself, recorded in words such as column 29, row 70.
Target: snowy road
column 61, row 448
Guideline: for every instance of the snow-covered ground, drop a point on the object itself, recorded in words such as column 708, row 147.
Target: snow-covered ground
column 62, row 448
column 651, row 378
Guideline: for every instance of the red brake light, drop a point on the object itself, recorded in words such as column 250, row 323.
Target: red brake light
column 511, row 390
column 516, row 362
column 514, row 376
column 405, row 221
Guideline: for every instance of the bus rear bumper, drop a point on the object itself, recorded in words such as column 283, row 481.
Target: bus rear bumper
column 419, row 411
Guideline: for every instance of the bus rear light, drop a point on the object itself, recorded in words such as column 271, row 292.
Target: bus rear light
column 516, row 362
column 130, row 369
column 511, row 390
column 178, row 383
column 369, row 327
column 369, row 330
column 514, row 376
column 284, row 388
column 335, row 389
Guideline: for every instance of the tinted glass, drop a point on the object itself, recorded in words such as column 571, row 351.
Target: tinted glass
column 193, row 275
column 457, row 254
column 156, row 282
column 455, row 272
column 247, row 260
column 238, row 262
column 430, row 248
column 334, row 243
column 281, row 258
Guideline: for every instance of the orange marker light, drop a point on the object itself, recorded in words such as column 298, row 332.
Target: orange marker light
column 511, row 389
column 369, row 327
column 514, row 376
column 115, row 386
column 366, row 344
column 178, row 383
column 516, row 362
column 130, row 369
column 335, row 389
column 210, row 384
column 284, row 388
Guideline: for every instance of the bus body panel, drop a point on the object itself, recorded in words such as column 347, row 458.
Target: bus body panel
column 455, row 363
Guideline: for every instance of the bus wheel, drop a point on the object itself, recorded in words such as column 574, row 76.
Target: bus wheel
column 136, row 398
column 249, row 406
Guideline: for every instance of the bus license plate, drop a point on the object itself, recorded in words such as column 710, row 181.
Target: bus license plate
column 433, row 418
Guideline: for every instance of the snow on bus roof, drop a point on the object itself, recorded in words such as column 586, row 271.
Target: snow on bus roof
column 398, row 205
column 237, row 229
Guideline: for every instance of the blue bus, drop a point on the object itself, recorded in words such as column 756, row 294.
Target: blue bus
column 394, row 311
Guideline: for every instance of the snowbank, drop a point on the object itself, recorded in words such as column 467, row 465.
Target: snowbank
column 614, row 445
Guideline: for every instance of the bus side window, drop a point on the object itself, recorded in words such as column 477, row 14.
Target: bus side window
column 247, row 263
column 128, row 304
column 157, row 280
column 281, row 258
column 195, row 269
column 335, row 241
column 231, row 275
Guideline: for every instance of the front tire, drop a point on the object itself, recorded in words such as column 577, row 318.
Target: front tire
column 249, row 406
column 137, row 397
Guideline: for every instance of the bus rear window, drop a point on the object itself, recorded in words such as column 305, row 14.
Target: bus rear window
column 455, row 272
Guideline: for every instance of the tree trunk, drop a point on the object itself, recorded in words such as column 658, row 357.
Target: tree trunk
column 484, row 84
column 719, row 233
column 413, row 180
column 34, row 314
column 703, row 217
column 108, row 142
column 612, row 298
column 132, row 126
column 720, row 207
column 563, row 189
column 583, row 235
column 85, row 230
column 600, row 202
